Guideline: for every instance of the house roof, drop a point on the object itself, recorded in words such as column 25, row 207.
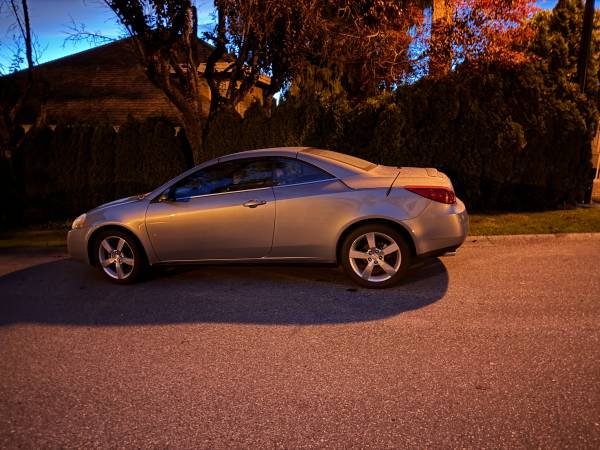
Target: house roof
column 102, row 82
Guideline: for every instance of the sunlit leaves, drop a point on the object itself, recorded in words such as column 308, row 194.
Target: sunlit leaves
column 480, row 31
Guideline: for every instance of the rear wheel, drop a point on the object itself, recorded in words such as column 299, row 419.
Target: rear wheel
column 375, row 256
column 119, row 257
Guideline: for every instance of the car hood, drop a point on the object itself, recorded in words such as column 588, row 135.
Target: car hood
column 121, row 201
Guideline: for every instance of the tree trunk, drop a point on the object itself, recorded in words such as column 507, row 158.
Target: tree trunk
column 440, row 59
column 12, row 108
column 586, row 43
column 210, row 70
column 193, row 132
column 27, row 39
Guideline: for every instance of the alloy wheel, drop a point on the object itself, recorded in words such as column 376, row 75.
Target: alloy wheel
column 116, row 257
column 375, row 257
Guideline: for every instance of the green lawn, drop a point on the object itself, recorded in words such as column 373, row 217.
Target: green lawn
column 580, row 220
column 53, row 234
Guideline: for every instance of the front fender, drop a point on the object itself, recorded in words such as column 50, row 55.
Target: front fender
column 130, row 216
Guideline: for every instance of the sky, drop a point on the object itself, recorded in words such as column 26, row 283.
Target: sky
column 50, row 20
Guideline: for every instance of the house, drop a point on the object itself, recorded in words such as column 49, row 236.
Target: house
column 107, row 83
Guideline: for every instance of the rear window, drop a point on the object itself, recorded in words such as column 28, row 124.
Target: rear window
column 340, row 157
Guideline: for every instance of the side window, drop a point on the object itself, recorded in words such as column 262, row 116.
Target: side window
column 229, row 176
column 250, row 174
column 292, row 171
column 209, row 180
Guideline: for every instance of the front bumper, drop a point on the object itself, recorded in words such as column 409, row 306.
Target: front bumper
column 440, row 226
column 77, row 245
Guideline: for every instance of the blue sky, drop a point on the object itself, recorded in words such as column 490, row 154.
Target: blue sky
column 51, row 18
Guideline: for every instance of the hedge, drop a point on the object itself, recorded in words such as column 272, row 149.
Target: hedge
column 70, row 169
column 507, row 139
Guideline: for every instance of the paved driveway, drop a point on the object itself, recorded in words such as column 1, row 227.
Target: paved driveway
column 496, row 347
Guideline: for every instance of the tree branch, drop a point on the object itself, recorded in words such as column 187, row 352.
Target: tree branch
column 77, row 32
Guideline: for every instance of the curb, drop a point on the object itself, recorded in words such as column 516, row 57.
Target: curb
column 529, row 238
column 46, row 250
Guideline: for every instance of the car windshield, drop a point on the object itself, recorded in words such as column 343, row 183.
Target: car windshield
column 340, row 157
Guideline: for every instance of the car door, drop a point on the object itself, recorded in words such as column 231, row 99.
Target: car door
column 224, row 211
column 309, row 210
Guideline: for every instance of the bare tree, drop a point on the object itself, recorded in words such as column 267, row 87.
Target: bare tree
column 13, row 95
column 364, row 41
column 12, row 99
column 164, row 33
column 76, row 32
column 253, row 39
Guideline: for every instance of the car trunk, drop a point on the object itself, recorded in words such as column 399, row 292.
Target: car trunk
column 421, row 176
column 386, row 176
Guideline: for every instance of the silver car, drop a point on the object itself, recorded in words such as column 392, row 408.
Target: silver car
column 291, row 204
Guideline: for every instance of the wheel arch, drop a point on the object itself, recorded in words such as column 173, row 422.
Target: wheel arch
column 379, row 221
column 94, row 235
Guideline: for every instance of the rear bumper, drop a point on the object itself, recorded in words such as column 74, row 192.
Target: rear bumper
column 439, row 227
column 77, row 245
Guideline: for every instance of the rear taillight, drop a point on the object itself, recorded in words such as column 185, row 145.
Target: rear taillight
column 435, row 193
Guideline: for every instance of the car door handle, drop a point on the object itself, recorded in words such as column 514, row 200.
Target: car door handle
column 254, row 203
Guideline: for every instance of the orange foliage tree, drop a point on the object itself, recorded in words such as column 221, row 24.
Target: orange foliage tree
column 365, row 41
column 361, row 45
column 478, row 32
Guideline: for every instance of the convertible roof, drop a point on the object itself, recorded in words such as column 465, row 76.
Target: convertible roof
column 288, row 151
column 337, row 164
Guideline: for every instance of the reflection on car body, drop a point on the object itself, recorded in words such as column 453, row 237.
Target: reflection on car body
column 283, row 204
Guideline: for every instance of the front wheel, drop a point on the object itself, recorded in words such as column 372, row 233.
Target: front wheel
column 119, row 256
column 375, row 256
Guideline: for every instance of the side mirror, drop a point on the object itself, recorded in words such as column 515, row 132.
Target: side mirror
column 166, row 196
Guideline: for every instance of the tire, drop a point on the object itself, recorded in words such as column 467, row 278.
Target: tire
column 119, row 257
column 367, row 262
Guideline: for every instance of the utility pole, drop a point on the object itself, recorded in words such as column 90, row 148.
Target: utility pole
column 586, row 43
column 582, row 65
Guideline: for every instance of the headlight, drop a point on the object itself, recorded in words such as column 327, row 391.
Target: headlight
column 78, row 223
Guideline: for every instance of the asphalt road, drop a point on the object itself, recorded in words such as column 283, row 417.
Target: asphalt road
column 496, row 347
